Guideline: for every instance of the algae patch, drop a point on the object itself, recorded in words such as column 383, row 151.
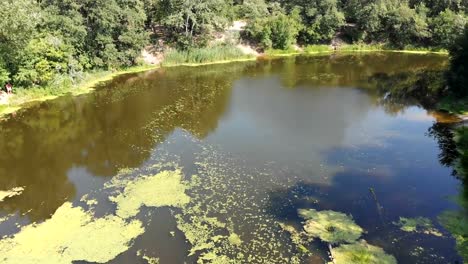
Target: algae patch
column 418, row 225
column 330, row 226
column 70, row 235
column 163, row 189
column 234, row 239
column 361, row 253
column 10, row 193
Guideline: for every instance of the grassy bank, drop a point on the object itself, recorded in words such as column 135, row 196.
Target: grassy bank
column 317, row 49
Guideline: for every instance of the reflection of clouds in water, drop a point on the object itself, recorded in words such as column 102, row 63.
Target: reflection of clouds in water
column 291, row 121
column 269, row 122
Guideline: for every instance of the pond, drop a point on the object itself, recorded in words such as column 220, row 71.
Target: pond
column 224, row 164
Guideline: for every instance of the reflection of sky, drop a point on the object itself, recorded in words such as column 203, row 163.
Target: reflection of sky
column 283, row 124
column 268, row 122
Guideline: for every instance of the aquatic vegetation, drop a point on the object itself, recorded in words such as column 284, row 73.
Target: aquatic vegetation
column 330, row 226
column 418, row 225
column 221, row 198
column 361, row 253
column 70, row 235
column 300, row 239
column 456, row 222
column 199, row 231
column 234, row 239
column 163, row 189
column 11, row 193
column 151, row 260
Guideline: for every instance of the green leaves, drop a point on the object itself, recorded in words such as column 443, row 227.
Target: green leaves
column 278, row 31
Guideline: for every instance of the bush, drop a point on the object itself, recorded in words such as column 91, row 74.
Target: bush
column 44, row 59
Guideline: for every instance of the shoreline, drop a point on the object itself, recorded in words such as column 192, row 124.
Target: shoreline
column 88, row 86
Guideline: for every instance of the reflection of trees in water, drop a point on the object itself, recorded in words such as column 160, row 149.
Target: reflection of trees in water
column 455, row 222
column 396, row 92
column 345, row 70
column 102, row 132
column 443, row 134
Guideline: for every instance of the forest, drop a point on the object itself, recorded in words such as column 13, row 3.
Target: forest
column 54, row 42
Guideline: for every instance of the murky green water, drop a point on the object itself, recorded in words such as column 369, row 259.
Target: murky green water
column 207, row 164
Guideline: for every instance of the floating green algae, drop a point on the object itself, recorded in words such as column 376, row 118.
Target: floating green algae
column 300, row 239
column 10, row 193
column 330, row 226
column 417, row 225
column 361, row 253
column 223, row 196
column 70, row 235
column 234, row 239
column 151, row 260
column 163, row 189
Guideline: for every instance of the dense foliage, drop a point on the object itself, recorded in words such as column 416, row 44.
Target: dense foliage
column 458, row 73
column 45, row 40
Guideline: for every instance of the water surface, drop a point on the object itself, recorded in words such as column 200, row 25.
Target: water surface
column 265, row 139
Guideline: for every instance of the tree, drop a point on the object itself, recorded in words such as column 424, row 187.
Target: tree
column 457, row 75
column 321, row 19
column 116, row 32
column 369, row 17
column 254, row 9
column 278, row 30
column 44, row 58
column 17, row 26
column 190, row 21
column 447, row 27
column 406, row 25
column 437, row 6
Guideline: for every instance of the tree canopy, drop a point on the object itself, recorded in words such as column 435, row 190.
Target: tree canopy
column 42, row 40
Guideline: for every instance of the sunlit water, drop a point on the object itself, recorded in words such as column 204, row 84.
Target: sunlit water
column 267, row 138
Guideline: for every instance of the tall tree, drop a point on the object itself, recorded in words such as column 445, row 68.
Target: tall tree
column 321, row 18
column 447, row 27
column 17, row 27
column 116, row 31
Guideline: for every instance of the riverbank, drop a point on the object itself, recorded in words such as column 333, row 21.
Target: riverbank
column 25, row 97
column 318, row 49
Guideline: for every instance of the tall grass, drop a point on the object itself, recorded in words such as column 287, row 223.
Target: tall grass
column 280, row 52
column 363, row 47
column 204, row 55
column 317, row 48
